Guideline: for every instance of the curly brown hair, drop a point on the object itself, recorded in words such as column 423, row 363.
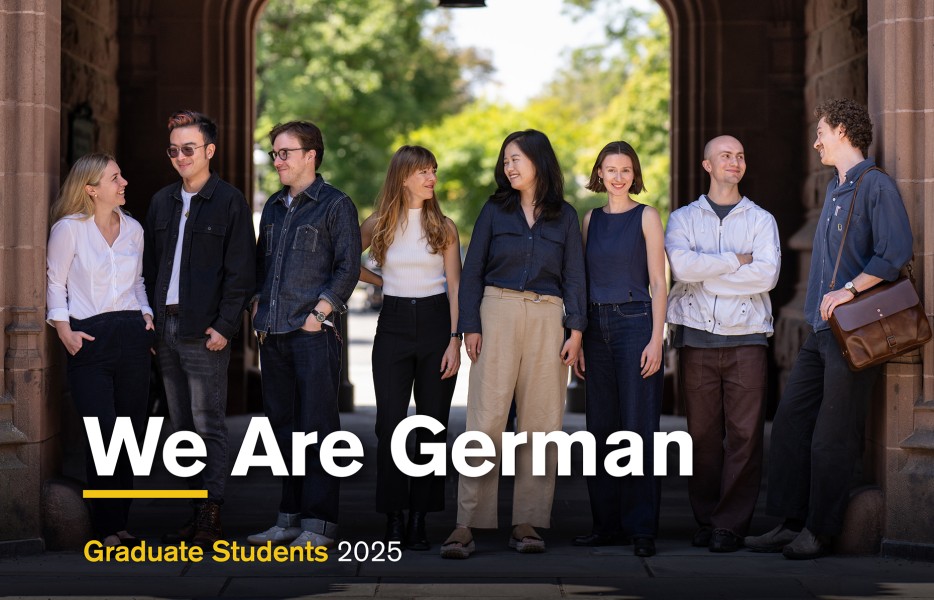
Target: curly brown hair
column 853, row 116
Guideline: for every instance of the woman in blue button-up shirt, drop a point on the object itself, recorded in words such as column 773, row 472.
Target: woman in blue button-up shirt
column 522, row 285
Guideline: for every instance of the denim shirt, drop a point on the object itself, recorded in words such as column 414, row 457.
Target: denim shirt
column 878, row 242
column 547, row 259
column 305, row 252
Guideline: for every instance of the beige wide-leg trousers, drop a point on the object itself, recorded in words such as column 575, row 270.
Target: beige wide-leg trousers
column 520, row 353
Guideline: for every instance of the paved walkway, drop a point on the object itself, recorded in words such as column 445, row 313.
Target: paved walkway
column 677, row 572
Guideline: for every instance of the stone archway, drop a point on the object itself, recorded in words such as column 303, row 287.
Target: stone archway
column 750, row 69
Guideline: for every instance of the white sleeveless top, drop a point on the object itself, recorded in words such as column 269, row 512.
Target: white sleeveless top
column 410, row 270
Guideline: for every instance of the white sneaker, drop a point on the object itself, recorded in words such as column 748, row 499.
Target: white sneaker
column 275, row 534
column 315, row 539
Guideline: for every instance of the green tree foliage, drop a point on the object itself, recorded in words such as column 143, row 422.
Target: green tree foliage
column 626, row 87
column 362, row 70
column 618, row 90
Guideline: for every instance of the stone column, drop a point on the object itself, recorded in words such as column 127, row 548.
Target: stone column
column 30, row 101
column 901, row 103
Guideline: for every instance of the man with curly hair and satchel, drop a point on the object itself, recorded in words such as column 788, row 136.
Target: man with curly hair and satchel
column 818, row 431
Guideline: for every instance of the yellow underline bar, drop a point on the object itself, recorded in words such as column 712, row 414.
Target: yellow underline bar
column 195, row 494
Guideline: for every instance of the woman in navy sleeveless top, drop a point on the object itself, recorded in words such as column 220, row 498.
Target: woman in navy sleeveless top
column 625, row 259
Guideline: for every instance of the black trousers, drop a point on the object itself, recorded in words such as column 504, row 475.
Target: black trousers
column 411, row 337
column 109, row 378
column 817, row 436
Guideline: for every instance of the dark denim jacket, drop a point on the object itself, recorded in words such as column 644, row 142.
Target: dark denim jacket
column 304, row 253
column 878, row 242
column 216, row 278
column 547, row 259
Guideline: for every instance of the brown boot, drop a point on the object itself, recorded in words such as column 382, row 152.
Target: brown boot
column 187, row 530
column 208, row 525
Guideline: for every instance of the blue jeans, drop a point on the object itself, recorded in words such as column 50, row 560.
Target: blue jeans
column 817, row 436
column 195, row 381
column 109, row 378
column 301, row 375
column 618, row 399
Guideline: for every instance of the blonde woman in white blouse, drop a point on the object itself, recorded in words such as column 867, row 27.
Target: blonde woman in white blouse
column 417, row 344
column 97, row 304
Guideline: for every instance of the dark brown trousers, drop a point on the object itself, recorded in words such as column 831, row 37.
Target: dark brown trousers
column 724, row 392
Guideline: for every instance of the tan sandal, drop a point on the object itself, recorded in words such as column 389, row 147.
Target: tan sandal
column 459, row 544
column 526, row 540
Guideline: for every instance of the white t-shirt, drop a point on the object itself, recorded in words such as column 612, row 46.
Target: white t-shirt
column 172, row 296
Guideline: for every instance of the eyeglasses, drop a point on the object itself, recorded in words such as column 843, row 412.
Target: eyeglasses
column 173, row 151
column 284, row 153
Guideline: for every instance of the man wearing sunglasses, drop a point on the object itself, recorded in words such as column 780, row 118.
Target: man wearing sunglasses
column 307, row 264
column 199, row 268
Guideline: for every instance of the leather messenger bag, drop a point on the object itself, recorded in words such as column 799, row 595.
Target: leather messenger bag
column 882, row 322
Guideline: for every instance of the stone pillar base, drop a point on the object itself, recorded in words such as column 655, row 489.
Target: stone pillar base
column 862, row 525
column 66, row 521
column 908, row 550
column 11, row 548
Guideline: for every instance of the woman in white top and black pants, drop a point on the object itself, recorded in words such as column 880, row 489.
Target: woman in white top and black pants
column 416, row 341
column 97, row 303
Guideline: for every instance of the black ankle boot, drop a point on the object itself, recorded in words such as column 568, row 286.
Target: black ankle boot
column 415, row 536
column 395, row 526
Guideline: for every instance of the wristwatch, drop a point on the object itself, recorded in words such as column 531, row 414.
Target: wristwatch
column 851, row 288
column 319, row 316
column 458, row 335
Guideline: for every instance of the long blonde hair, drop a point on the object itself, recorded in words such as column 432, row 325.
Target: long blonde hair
column 390, row 204
column 73, row 198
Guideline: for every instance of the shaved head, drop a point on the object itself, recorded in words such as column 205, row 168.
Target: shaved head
column 717, row 142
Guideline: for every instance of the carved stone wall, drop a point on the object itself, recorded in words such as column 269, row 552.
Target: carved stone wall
column 901, row 102
column 29, row 178
column 89, row 59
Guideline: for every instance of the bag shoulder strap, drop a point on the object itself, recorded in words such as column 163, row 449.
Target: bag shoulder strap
column 846, row 228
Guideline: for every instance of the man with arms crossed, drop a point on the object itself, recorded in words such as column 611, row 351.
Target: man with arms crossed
column 307, row 264
column 199, row 265
column 725, row 257
column 817, row 435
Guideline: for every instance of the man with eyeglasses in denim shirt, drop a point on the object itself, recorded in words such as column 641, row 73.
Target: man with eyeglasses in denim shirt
column 199, row 272
column 307, row 264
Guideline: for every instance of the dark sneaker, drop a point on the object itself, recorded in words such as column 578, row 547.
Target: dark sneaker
column 416, row 536
column 208, row 525
column 773, row 541
column 807, row 546
column 724, row 540
column 702, row 537
column 395, row 527
column 643, row 547
column 187, row 531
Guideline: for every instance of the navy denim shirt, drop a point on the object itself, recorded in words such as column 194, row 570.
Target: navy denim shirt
column 305, row 252
column 878, row 242
column 547, row 259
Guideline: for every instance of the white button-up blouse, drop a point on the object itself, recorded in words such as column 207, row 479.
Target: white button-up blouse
column 88, row 277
